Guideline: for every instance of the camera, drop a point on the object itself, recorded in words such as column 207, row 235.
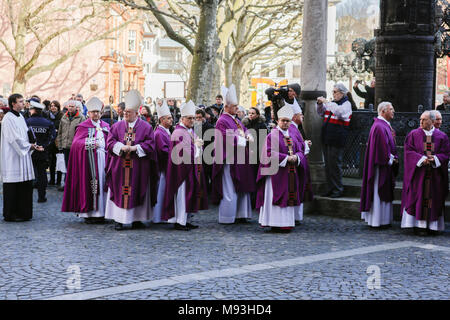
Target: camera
column 277, row 95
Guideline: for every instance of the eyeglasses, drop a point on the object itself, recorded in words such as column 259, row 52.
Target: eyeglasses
column 190, row 118
column 285, row 120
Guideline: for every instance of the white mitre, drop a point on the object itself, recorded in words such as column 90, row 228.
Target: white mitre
column 188, row 109
column 295, row 106
column 94, row 104
column 163, row 110
column 285, row 112
column 133, row 100
column 230, row 96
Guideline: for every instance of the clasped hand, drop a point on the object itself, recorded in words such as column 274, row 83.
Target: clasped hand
column 429, row 160
column 292, row 159
column 128, row 149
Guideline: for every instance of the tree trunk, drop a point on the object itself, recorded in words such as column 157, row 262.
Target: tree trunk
column 228, row 66
column 237, row 75
column 215, row 83
column 19, row 84
column 204, row 52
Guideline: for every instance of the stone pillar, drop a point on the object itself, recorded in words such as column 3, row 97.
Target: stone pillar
column 313, row 82
column 405, row 55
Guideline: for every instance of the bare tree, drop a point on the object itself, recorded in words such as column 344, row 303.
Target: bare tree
column 269, row 32
column 198, row 19
column 36, row 27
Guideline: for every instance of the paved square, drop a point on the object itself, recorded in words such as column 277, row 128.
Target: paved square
column 324, row 258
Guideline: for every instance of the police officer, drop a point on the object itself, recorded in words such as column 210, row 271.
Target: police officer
column 42, row 132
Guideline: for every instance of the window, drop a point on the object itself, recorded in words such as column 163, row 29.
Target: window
column 281, row 72
column 147, row 45
column 168, row 55
column 132, row 41
column 296, row 69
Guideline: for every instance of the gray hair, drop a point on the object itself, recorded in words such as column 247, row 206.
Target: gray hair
column 383, row 106
column 341, row 87
column 430, row 114
column 436, row 113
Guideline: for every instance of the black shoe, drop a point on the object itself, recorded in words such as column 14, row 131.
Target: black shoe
column 433, row 232
column 61, row 188
column 137, row 225
column 51, row 183
column 191, row 226
column 336, row 195
column 421, row 232
column 242, row 220
column 297, row 222
column 178, row 226
column 118, row 226
column 326, row 194
column 42, row 200
column 99, row 220
column 89, row 220
column 16, row 220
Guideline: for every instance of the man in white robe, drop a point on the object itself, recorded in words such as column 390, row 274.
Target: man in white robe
column 16, row 166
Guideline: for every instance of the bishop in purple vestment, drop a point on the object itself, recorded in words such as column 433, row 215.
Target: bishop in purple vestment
column 131, row 169
column 232, row 180
column 377, row 192
column 85, row 182
column 162, row 144
column 425, row 181
column 280, row 189
column 185, row 192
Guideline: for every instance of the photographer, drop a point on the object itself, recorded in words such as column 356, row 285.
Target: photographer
column 337, row 116
column 369, row 95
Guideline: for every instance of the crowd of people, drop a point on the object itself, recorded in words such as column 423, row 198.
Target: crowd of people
column 131, row 166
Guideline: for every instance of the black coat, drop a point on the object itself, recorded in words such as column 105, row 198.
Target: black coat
column 257, row 124
column 369, row 95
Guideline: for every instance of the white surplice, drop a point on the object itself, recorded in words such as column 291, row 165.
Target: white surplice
column 381, row 213
column 15, row 150
column 101, row 163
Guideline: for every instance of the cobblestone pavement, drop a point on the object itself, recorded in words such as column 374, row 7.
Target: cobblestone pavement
column 217, row 261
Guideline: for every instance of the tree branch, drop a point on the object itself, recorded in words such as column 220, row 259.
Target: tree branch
column 74, row 50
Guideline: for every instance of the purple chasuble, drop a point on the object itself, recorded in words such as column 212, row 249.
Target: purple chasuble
column 78, row 195
column 130, row 178
column 196, row 192
column 162, row 139
column 414, row 176
column 243, row 176
column 380, row 145
column 280, row 180
column 303, row 171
